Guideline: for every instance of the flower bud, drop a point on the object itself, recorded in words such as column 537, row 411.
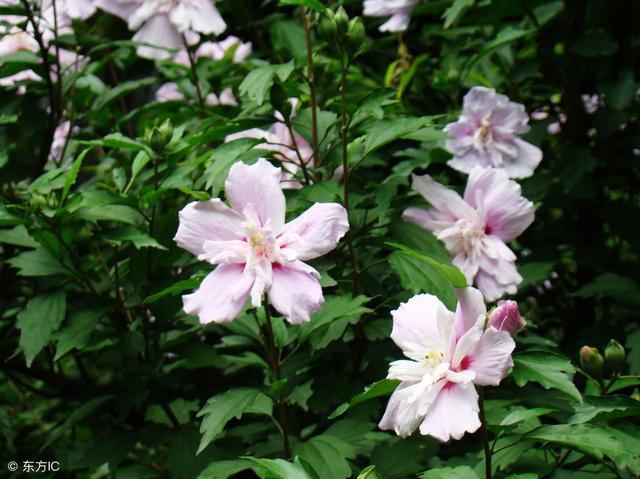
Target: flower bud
column 327, row 28
column 506, row 317
column 355, row 35
column 37, row 200
column 158, row 137
column 342, row 22
column 614, row 354
column 592, row 362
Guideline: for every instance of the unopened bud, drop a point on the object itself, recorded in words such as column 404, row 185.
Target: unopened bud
column 506, row 317
column 342, row 22
column 355, row 35
column 158, row 137
column 37, row 200
column 327, row 28
column 614, row 354
column 592, row 362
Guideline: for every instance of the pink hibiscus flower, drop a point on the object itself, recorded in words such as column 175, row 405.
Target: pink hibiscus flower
column 398, row 10
column 488, row 134
column 161, row 23
column 448, row 354
column 255, row 250
column 475, row 228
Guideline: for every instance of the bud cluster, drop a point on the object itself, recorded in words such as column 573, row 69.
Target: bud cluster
column 344, row 35
column 158, row 137
column 595, row 365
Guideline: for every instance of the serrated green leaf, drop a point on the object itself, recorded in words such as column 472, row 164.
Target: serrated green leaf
column 551, row 371
column 39, row 320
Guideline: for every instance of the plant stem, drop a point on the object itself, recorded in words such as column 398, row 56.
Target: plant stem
column 312, row 87
column 54, row 107
column 194, row 73
column 344, row 127
column 485, row 436
column 273, row 357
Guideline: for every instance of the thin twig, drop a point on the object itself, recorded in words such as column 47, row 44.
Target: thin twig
column 194, row 73
column 485, row 436
column 312, row 87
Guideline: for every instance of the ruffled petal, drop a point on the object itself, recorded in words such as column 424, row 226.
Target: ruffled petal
column 470, row 309
column 295, row 294
column 199, row 16
column 255, row 190
column 403, row 415
column 221, row 295
column 423, row 325
column 202, row 221
column 453, row 413
column 159, row 32
column 124, row 10
column 491, row 357
column 445, row 201
column 316, row 231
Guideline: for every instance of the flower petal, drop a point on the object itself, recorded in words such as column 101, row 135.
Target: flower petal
column 120, row 9
column 506, row 212
column 294, row 293
column 423, row 325
column 491, row 357
column 402, row 415
column 446, row 203
column 255, row 190
column 453, row 413
column 316, row 231
column 157, row 31
column 199, row 16
column 221, row 295
column 470, row 309
column 202, row 221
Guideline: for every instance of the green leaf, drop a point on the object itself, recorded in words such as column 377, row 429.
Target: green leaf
column 38, row 262
column 48, row 182
column 75, row 417
column 119, row 213
column 220, row 409
column 419, row 276
column 327, row 455
column 453, row 274
column 333, row 317
column 72, row 175
column 605, row 408
column 18, row 236
column 258, row 82
column 523, row 415
column 384, row 387
column 225, row 469
column 137, row 237
column 588, row 438
column 124, row 88
column 369, row 472
column 312, row 4
column 419, row 240
column 39, row 320
column 279, row 469
column 504, row 37
column 452, row 14
column 174, row 289
column 460, row 472
column 613, row 286
column 390, row 129
column 76, row 331
column 551, row 371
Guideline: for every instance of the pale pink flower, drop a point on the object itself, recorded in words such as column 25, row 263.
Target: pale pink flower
column 475, row 228
column 162, row 23
column 592, row 102
column 448, row 353
column 68, row 9
column 217, row 51
column 398, row 10
column 255, row 250
column 290, row 150
column 169, row 92
column 506, row 317
column 60, row 139
column 488, row 134
column 15, row 40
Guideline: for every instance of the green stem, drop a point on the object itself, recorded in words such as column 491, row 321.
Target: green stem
column 485, row 436
column 312, row 87
column 344, row 127
column 273, row 356
column 194, row 72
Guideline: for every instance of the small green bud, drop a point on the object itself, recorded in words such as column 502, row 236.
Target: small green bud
column 158, row 137
column 327, row 29
column 37, row 200
column 355, row 35
column 592, row 362
column 614, row 354
column 342, row 22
